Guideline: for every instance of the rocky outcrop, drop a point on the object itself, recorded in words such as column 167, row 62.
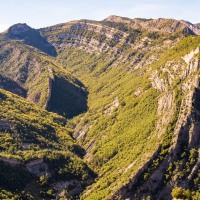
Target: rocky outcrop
column 117, row 19
column 81, row 42
column 165, row 102
column 185, row 135
column 187, row 58
column 18, row 29
column 158, row 25
column 166, row 109
column 85, row 35
column 157, row 82
column 164, row 25
column 38, row 167
column 195, row 28
column 125, row 51
column 110, row 109
column 81, row 131
column 73, row 188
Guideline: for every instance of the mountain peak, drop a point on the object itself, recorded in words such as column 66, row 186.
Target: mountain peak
column 19, row 28
column 117, row 19
column 31, row 37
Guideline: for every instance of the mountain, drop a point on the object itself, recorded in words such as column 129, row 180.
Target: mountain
column 194, row 27
column 158, row 25
column 129, row 93
column 40, row 76
column 38, row 146
column 31, row 37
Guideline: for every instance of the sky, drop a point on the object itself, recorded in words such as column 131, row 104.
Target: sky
column 42, row 13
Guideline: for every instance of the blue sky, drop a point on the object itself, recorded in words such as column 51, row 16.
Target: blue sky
column 41, row 13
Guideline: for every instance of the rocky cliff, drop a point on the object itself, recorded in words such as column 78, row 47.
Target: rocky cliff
column 161, row 173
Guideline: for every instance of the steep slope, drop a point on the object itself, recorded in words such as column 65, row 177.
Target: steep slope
column 194, row 27
column 139, row 126
column 31, row 37
column 134, row 71
column 42, row 79
column 130, row 114
column 175, row 163
column 40, row 148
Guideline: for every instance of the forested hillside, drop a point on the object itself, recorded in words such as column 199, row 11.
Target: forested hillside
column 128, row 93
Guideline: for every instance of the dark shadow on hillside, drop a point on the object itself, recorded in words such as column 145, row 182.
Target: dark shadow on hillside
column 12, row 86
column 67, row 99
column 31, row 37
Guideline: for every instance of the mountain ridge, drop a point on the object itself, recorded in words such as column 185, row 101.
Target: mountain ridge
column 38, row 75
column 115, row 19
column 143, row 21
column 30, row 36
column 133, row 85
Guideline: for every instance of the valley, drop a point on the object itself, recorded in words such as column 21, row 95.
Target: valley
column 101, row 110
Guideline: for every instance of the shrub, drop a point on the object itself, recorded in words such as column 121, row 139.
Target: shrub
column 177, row 192
column 180, row 193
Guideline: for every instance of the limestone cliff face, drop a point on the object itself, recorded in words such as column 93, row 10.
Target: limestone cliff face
column 85, row 35
column 185, row 138
column 117, row 19
column 194, row 27
column 157, row 25
column 136, row 45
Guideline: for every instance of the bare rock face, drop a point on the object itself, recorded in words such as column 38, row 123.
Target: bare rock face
column 38, row 167
column 165, row 103
column 158, row 25
column 186, row 134
column 117, row 19
column 157, row 82
column 110, row 109
column 132, row 45
column 187, row 58
column 194, row 27
column 73, row 187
